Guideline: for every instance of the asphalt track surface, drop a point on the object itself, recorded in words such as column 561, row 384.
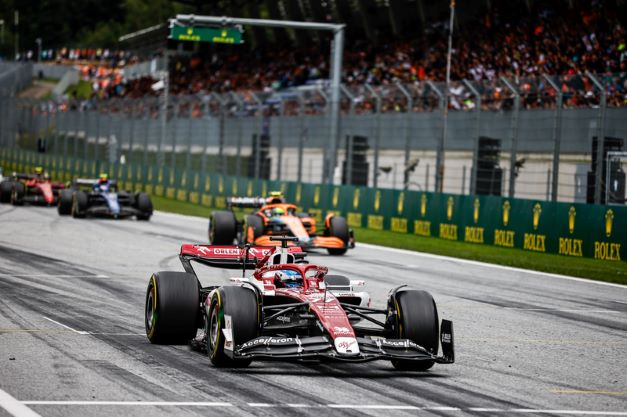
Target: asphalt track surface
column 72, row 339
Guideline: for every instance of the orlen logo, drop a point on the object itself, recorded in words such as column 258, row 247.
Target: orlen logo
column 226, row 251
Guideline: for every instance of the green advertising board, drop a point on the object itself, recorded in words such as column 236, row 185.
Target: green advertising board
column 568, row 229
column 205, row 34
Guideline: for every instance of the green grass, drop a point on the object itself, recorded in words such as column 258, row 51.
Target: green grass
column 556, row 264
column 82, row 90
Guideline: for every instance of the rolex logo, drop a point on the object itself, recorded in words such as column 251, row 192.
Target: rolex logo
column 336, row 196
column 299, row 190
column 356, row 199
column 475, row 212
column 377, row 200
column 316, row 196
column 423, row 205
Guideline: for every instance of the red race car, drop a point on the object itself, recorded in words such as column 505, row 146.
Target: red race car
column 36, row 188
column 289, row 309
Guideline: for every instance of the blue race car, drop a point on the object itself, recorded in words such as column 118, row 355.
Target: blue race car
column 101, row 198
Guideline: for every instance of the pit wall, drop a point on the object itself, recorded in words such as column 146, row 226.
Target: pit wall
column 577, row 230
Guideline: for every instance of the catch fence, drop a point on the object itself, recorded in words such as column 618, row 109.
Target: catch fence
column 527, row 138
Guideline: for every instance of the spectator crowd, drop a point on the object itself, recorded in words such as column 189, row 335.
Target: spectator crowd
column 548, row 40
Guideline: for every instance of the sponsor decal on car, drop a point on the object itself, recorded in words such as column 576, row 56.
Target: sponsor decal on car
column 338, row 330
column 268, row 341
column 346, row 345
column 226, row 251
column 228, row 332
column 284, row 319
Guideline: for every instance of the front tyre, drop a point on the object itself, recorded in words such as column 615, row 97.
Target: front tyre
column 6, row 188
column 65, row 202
column 417, row 321
column 79, row 204
column 236, row 309
column 172, row 306
column 17, row 194
column 222, row 228
column 144, row 205
column 338, row 228
column 253, row 228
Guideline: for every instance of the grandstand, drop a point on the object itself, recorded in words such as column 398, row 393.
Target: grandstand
column 541, row 78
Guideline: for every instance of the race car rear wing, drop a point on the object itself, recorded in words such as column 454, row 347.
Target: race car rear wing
column 246, row 202
column 229, row 257
column 23, row 176
column 90, row 181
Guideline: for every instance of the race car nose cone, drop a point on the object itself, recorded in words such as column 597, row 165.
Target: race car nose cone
column 346, row 346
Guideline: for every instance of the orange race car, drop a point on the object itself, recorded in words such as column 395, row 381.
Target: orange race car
column 276, row 217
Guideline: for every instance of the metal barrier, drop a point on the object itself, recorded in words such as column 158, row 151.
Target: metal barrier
column 577, row 230
column 542, row 131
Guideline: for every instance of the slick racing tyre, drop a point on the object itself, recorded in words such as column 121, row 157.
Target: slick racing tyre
column 172, row 308
column 418, row 322
column 253, row 228
column 65, row 202
column 144, row 205
column 233, row 308
column 337, row 283
column 17, row 194
column 338, row 228
column 222, row 228
column 6, row 188
column 79, row 204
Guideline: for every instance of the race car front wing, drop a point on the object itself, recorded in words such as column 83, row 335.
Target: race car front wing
column 321, row 347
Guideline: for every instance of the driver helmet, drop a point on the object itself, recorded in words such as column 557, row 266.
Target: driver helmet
column 278, row 211
column 275, row 197
column 103, row 179
column 289, row 278
column 39, row 170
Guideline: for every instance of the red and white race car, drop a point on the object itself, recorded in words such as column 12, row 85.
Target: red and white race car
column 289, row 309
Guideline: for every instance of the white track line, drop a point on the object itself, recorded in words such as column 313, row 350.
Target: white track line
column 67, row 327
column 14, row 407
column 484, row 264
column 51, row 276
column 506, row 411
column 374, row 406
column 135, row 403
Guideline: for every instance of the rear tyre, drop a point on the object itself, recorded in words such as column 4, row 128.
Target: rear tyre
column 253, row 228
column 337, row 282
column 79, row 204
column 144, row 205
column 417, row 321
column 338, row 228
column 172, row 307
column 17, row 194
column 6, row 187
column 65, row 202
column 222, row 228
column 241, row 306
